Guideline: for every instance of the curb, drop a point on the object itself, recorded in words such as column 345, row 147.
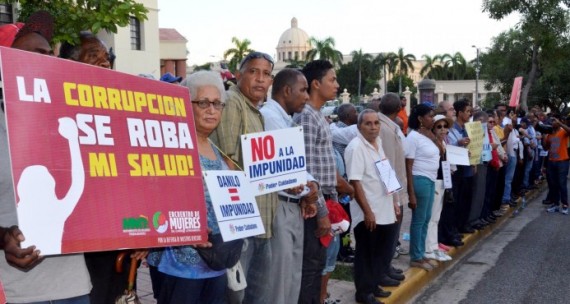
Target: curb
column 417, row 279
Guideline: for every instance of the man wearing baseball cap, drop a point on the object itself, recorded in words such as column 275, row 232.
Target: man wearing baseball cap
column 27, row 276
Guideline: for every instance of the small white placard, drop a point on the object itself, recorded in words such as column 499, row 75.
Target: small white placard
column 388, row 176
column 234, row 204
column 446, row 170
column 457, row 155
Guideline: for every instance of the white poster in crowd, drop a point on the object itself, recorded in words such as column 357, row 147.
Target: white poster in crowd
column 446, row 172
column 274, row 160
column 457, row 155
column 487, row 149
column 388, row 176
column 234, row 204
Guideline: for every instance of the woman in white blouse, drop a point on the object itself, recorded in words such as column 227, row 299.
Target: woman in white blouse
column 422, row 163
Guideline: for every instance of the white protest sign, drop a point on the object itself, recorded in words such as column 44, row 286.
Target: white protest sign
column 274, row 160
column 446, row 172
column 388, row 176
column 234, row 204
column 457, row 155
column 486, row 154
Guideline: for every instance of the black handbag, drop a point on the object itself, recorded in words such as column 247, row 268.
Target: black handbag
column 221, row 255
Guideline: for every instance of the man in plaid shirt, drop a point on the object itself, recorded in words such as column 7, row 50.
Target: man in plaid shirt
column 323, row 87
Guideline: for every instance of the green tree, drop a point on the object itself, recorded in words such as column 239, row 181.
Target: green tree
column 73, row 16
column 456, row 65
column 430, row 63
column 510, row 56
column 346, row 79
column 237, row 53
column 204, row 67
column 324, row 49
column 295, row 63
column 383, row 61
column 394, row 84
column 360, row 58
column 544, row 21
column 369, row 72
column 403, row 63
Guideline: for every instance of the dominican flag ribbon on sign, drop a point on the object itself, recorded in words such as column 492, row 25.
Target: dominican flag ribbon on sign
column 234, row 196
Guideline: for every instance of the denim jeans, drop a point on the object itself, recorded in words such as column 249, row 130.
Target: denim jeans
column 509, row 174
column 558, row 171
column 527, row 167
column 192, row 291
column 75, row 300
column 424, row 188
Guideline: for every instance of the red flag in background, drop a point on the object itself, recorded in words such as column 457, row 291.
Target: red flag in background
column 516, row 93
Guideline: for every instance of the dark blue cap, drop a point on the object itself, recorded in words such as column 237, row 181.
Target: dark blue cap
column 170, row 78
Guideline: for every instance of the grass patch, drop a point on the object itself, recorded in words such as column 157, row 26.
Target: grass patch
column 343, row 272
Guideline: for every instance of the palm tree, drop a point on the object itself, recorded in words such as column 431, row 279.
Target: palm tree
column 295, row 63
column 457, row 64
column 324, row 49
column 403, row 64
column 358, row 56
column 384, row 60
column 238, row 52
column 431, row 62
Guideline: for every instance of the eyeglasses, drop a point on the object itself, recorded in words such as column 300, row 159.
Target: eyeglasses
column 441, row 126
column 491, row 121
column 204, row 104
column 256, row 55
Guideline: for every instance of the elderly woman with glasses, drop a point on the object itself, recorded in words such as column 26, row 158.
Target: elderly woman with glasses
column 440, row 129
column 179, row 275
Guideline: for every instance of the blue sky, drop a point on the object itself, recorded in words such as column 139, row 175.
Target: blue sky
column 419, row 26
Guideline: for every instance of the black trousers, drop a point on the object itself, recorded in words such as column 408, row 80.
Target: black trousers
column 107, row 283
column 490, row 186
column 499, row 188
column 463, row 196
column 373, row 255
column 314, row 255
column 446, row 230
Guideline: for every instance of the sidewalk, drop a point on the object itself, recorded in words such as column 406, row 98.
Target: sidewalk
column 416, row 279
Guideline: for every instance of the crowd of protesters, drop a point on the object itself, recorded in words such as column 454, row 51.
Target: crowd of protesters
column 293, row 260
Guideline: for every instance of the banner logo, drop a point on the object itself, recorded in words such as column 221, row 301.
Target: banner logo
column 160, row 223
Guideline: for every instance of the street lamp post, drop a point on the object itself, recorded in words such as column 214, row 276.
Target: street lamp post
column 477, row 69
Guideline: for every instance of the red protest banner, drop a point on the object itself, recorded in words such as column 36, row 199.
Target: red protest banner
column 101, row 160
column 516, row 92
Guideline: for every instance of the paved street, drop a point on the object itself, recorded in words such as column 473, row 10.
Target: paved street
column 525, row 261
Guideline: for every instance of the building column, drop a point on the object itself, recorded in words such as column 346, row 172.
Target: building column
column 169, row 67
column 181, row 68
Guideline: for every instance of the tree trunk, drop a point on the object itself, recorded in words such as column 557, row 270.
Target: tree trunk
column 385, row 81
column 359, row 79
column 400, row 85
column 531, row 78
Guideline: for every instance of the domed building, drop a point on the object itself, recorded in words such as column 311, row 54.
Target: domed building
column 293, row 43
